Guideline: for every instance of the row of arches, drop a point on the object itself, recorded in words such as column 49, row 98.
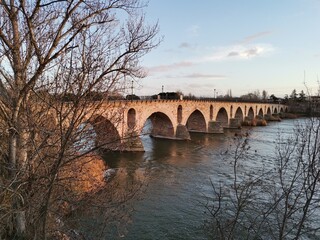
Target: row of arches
column 164, row 126
column 196, row 118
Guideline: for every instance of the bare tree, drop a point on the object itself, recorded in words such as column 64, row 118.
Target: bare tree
column 53, row 55
column 228, row 94
column 251, row 96
column 278, row 201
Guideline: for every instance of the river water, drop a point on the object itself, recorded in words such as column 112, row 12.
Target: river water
column 175, row 179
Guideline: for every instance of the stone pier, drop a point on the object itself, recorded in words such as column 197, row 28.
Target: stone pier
column 215, row 127
column 235, row 123
column 182, row 132
column 132, row 143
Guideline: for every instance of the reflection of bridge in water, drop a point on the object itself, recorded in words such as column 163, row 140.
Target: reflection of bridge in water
column 120, row 126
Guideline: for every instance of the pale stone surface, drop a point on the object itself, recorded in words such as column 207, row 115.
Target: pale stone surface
column 172, row 117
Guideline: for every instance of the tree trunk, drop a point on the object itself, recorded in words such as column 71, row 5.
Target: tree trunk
column 12, row 152
column 19, row 218
column 20, row 224
column 23, row 150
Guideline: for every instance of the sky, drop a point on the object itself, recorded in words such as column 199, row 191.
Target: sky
column 242, row 46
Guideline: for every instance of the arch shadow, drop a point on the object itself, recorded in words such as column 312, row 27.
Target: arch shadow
column 97, row 132
column 222, row 117
column 250, row 114
column 196, row 122
column 239, row 114
column 158, row 125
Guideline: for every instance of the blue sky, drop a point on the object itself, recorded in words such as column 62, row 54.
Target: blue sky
column 244, row 46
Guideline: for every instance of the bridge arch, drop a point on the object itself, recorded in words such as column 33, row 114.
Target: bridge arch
column 196, row 122
column 107, row 135
column 260, row 113
column 158, row 124
column 269, row 111
column 231, row 111
column 250, row 113
column 281, row 110
column 275, row 111
column 211, row 112
column 239, row 114
column 222, row 117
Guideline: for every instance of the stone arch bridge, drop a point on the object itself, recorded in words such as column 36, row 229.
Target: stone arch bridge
column 119, row 124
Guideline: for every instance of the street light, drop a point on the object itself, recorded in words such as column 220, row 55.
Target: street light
column 132, row 90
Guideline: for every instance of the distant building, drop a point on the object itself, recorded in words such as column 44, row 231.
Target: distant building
column 314, row 99
column 132, row 97
column 167, row 95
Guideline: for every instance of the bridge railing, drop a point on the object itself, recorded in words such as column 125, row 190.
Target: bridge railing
column 153, row 98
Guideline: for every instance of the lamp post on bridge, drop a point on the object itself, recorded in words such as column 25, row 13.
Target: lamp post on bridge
column 162, row 95
column 132, row 90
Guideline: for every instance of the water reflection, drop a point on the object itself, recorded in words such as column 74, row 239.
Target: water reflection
column 171, row 182
column 178, row 176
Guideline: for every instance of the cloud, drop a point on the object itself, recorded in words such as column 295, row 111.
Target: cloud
column 193, row 30
column 169, row 67
column 233, row 54
column 205, row 76
column 199, row 85
column 185, row 45
column 239, row 52
column 254, row 51
column 182, row 47
column 245, row 49
column 236, row 52
column 253, row 37
column 197, row 76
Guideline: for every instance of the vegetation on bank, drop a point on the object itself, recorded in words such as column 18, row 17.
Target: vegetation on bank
column 56, row 59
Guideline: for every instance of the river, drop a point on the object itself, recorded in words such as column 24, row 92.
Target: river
column 172, row 204
column 175, row 181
